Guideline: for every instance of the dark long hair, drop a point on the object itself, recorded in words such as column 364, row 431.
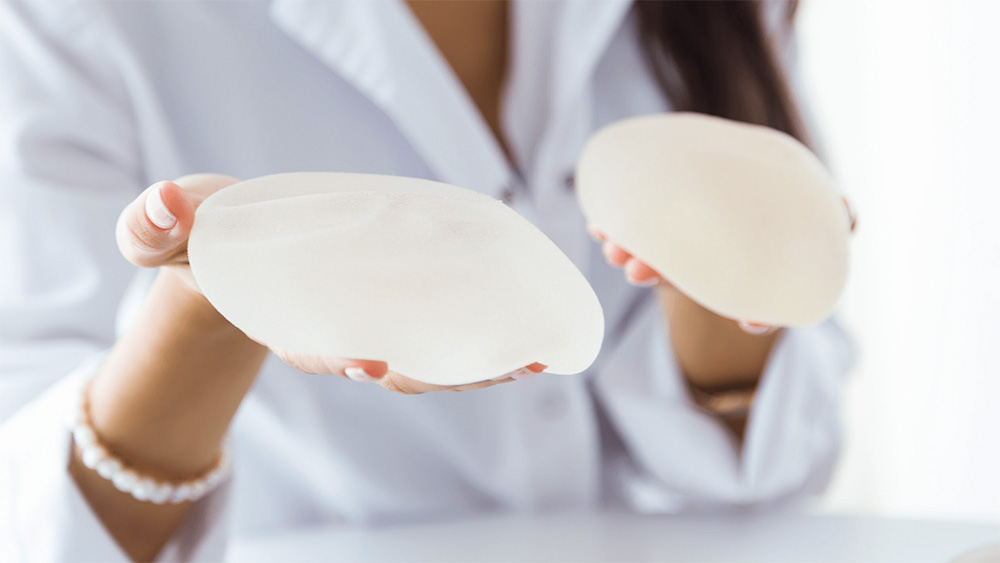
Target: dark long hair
column 717, row 57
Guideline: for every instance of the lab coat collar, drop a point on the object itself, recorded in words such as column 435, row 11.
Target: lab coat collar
column 582, row 34
column 382, row 50
column 584, row 31
column 554, row 51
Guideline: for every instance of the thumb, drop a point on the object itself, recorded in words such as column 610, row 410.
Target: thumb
column 154, row 228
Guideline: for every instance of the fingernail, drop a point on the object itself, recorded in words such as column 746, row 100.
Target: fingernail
column 607, row 249
column 630, row 267
column 157, row 212
column 358, row 374
column 648, row 283
column 523, row 374
column 755, row 329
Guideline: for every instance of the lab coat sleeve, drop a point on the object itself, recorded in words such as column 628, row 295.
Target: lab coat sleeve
column 678, row 457
column 45, row 516
column 69, row 162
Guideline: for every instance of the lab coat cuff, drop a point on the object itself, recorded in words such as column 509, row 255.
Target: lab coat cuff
column 685, row 458
column 793, row 429
column 47, row 516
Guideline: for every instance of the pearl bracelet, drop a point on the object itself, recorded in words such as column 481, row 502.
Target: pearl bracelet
column 99, row 458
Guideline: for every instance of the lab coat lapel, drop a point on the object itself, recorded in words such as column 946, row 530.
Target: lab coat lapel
column 583, row 33
column 581, row 36
column 555, row 48
column 381, row 49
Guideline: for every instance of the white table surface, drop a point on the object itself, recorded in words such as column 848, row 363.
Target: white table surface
column 630, row 537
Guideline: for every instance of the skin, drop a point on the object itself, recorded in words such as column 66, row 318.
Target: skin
column 170, row 387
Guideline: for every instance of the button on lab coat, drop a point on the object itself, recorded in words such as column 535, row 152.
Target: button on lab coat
column 99, row 100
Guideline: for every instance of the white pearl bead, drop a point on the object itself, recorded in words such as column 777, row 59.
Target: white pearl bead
column 124, row 480
column 108, row 467
column 181, row 493
column 92, row 455
column 213, row 478
column 198, row 489
column 83, row 436
column 142, row 489
column 161, row 492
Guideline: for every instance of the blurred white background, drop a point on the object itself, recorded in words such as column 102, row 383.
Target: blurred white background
column 905, row 95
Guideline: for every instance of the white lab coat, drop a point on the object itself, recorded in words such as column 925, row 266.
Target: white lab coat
column 99, row 100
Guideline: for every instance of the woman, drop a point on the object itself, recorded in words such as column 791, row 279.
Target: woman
column 102, row 98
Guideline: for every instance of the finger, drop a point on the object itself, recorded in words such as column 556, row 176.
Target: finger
column 639, row 273
column 398, row 383
column 480, row 385
column 358, row 370
column 757, row 329
column 523, row 373
column 615, row 254
column 308, row 363
column 365, row 370
column 596, row 233
column 527, row 372
column 155, row 226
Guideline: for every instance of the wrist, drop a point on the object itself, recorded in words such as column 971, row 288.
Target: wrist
column 167, row 392
column 712, row 351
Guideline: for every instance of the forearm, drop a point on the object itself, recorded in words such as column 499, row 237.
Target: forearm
column 713, row 352
column 163, row 400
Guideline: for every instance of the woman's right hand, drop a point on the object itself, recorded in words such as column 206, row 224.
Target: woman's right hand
column 153, row 232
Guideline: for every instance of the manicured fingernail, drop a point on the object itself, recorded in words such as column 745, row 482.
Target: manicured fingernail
column 523, row 374
column 630, row 274
column 157, row 212
column 358, row 374
column 613, row 255
column 646, row 283
column 756, row 329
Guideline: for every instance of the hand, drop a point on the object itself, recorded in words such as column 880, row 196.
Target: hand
column 639, row 273
column 378, row 372
column 153, row 232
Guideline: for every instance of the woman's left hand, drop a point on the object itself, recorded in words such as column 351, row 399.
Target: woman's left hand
column 639, row 273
